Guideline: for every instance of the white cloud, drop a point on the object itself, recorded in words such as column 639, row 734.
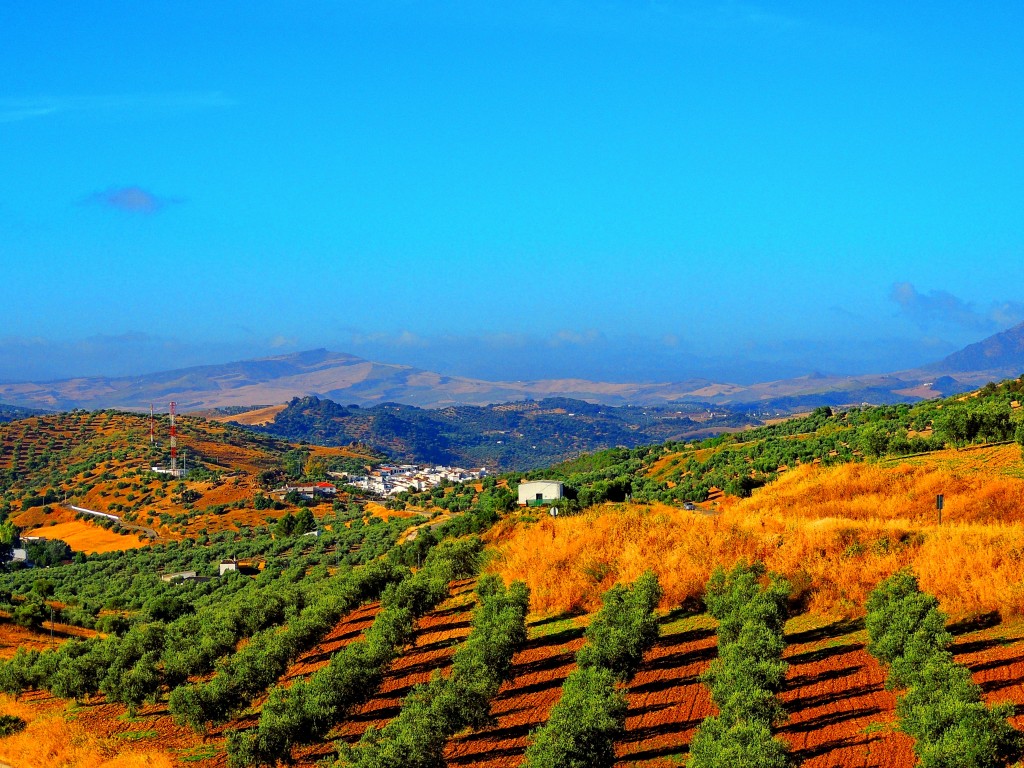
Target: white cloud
column 17, row 110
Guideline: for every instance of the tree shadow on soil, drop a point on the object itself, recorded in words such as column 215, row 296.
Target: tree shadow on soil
column 654, row 753
column 977, row 646
column 682, row 612
column 830, row 719
column 546, row 664
column 975, row 623
column 828, row 632
column 565, row 616
column 664, row 684
column 821, row 654
column 555, row 638
column 540, row 685
column 799, row 681
column 817, row 700
column 983, row 666
column 681, row 658
column 801, row 755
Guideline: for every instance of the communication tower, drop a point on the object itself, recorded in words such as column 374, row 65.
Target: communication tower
column 174, row 441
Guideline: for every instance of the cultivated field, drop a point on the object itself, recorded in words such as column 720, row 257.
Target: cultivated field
column 839, row 710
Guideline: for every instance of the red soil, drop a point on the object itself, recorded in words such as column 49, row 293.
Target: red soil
column 840, row 713
column 667, row 701
column 437, row 637
column 523, row 703
column 994, row 653
column 13, row 637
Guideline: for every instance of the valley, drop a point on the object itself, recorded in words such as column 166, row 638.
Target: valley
column 831, row 502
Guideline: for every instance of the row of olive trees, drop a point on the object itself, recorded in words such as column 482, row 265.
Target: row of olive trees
column 307, row 710
column 748, row 672
column 242, row 676
column 153, row 656
column 433, row 712
column 940, row 705
column 583, row 726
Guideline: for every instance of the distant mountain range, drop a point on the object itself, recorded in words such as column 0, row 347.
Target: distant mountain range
column 348, row 379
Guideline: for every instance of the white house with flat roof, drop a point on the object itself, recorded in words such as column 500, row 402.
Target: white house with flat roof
column 536, row 492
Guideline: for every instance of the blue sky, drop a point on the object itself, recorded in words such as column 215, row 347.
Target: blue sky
column 618, row 190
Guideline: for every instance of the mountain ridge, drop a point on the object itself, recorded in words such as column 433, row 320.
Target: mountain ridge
column 347, row 378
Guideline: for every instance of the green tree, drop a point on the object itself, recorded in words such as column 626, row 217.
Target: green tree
column 583, row 727
column 31, row 613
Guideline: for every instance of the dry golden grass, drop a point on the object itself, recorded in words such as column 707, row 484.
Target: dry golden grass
column 903, row 492
column 835, row 533
column 89, row 538
column 257, row 417
column 51, row 741
column 663, row 464
column 379, row 510
column 1003, row 460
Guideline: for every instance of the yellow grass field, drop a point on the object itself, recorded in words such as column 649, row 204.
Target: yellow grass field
column 52, row 741
column 834, row 532
column 89, row 538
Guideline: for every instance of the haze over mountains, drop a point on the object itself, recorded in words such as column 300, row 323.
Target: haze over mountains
column 349, row 379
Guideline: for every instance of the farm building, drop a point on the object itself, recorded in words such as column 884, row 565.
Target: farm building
column 537, row 492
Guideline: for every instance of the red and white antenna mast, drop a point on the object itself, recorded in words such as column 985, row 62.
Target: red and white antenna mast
column 174, row 440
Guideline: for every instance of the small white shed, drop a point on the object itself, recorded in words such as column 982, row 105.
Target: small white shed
column 536, row 492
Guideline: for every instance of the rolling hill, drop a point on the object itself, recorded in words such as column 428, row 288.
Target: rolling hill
column 508, row 436
column 350, row 379
column 841, row 502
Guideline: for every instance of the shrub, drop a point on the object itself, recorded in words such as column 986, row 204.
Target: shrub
column 585, row 724
column 435, row 711
column 308, row 709
column 11, row 724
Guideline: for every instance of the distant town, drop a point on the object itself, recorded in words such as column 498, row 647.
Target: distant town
column 390, row 479
column 386, row 480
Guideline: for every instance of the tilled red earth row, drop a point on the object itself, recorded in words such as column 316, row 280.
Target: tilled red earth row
column 840, row 713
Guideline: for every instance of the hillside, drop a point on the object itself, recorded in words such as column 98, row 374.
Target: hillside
column 12, row 412
column 835, row 502
column 509, row 436
column 349, row 379
column 101, row 461
column 1001, row 355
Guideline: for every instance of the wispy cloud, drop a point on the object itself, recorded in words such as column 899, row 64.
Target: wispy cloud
column 938, row 309
column 17, row 110
column 280, row 341
column 131, row 199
